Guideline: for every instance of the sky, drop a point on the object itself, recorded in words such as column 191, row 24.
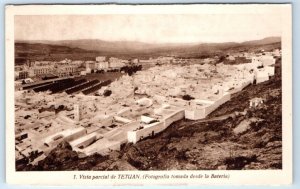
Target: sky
column 164, row 28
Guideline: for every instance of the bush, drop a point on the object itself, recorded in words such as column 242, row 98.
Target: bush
column 187, row 97
column 107, row 93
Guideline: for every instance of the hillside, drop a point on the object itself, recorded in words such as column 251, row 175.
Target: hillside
column 40, row 51
column 89, row 49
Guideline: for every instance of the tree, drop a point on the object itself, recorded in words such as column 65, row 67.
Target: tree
column 187, row 97
column 107, row 93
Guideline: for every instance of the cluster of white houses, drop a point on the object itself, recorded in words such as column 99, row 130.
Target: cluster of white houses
column 68, row 67
column 148, row 102
column 174, row 109
column 43, row 68
column 64, row 68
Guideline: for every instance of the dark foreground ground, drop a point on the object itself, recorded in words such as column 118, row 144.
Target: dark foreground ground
column 190, row 145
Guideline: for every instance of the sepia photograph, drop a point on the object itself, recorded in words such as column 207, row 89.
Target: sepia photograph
column 159, row 91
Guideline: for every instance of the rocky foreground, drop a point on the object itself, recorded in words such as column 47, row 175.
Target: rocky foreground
column 243, row 138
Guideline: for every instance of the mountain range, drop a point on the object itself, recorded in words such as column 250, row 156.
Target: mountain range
column 90, row 48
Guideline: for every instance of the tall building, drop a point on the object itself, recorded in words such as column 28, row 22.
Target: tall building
column 77, row 112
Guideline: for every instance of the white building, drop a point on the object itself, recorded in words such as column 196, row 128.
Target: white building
column 100, row 58
column 116, row 62
column 43, row 70
column 135, row 61
column 256, row 60
column 63, row 71
column 261, row 76
column 267, row 60
column 231, row 58
column 89, row 66
column 101, row 65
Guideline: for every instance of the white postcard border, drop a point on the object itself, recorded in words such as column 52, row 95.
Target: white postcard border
column 244, row 177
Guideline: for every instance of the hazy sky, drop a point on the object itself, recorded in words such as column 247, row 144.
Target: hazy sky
column 172, row 28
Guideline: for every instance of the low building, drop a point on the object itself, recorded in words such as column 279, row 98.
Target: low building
column 28, row 80
column 115, row 63
column 261, row 76
column 230, row 57
column 41, row 63
column 151, row 126
column 256, row 60
column 276, row 52
column 165, row 60
column 267, row 60
column 64, row 71
column 66, row 135
column 102, row 65
column 100, row 59
column 42, row 70
column 134, row 61
column 90, row 65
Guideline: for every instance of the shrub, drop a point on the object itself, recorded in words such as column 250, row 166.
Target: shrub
column 187, row 97
column 107, row 93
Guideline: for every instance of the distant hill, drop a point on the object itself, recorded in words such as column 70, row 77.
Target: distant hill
column 90, row 48
column 39, row 51
column 268, row 40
